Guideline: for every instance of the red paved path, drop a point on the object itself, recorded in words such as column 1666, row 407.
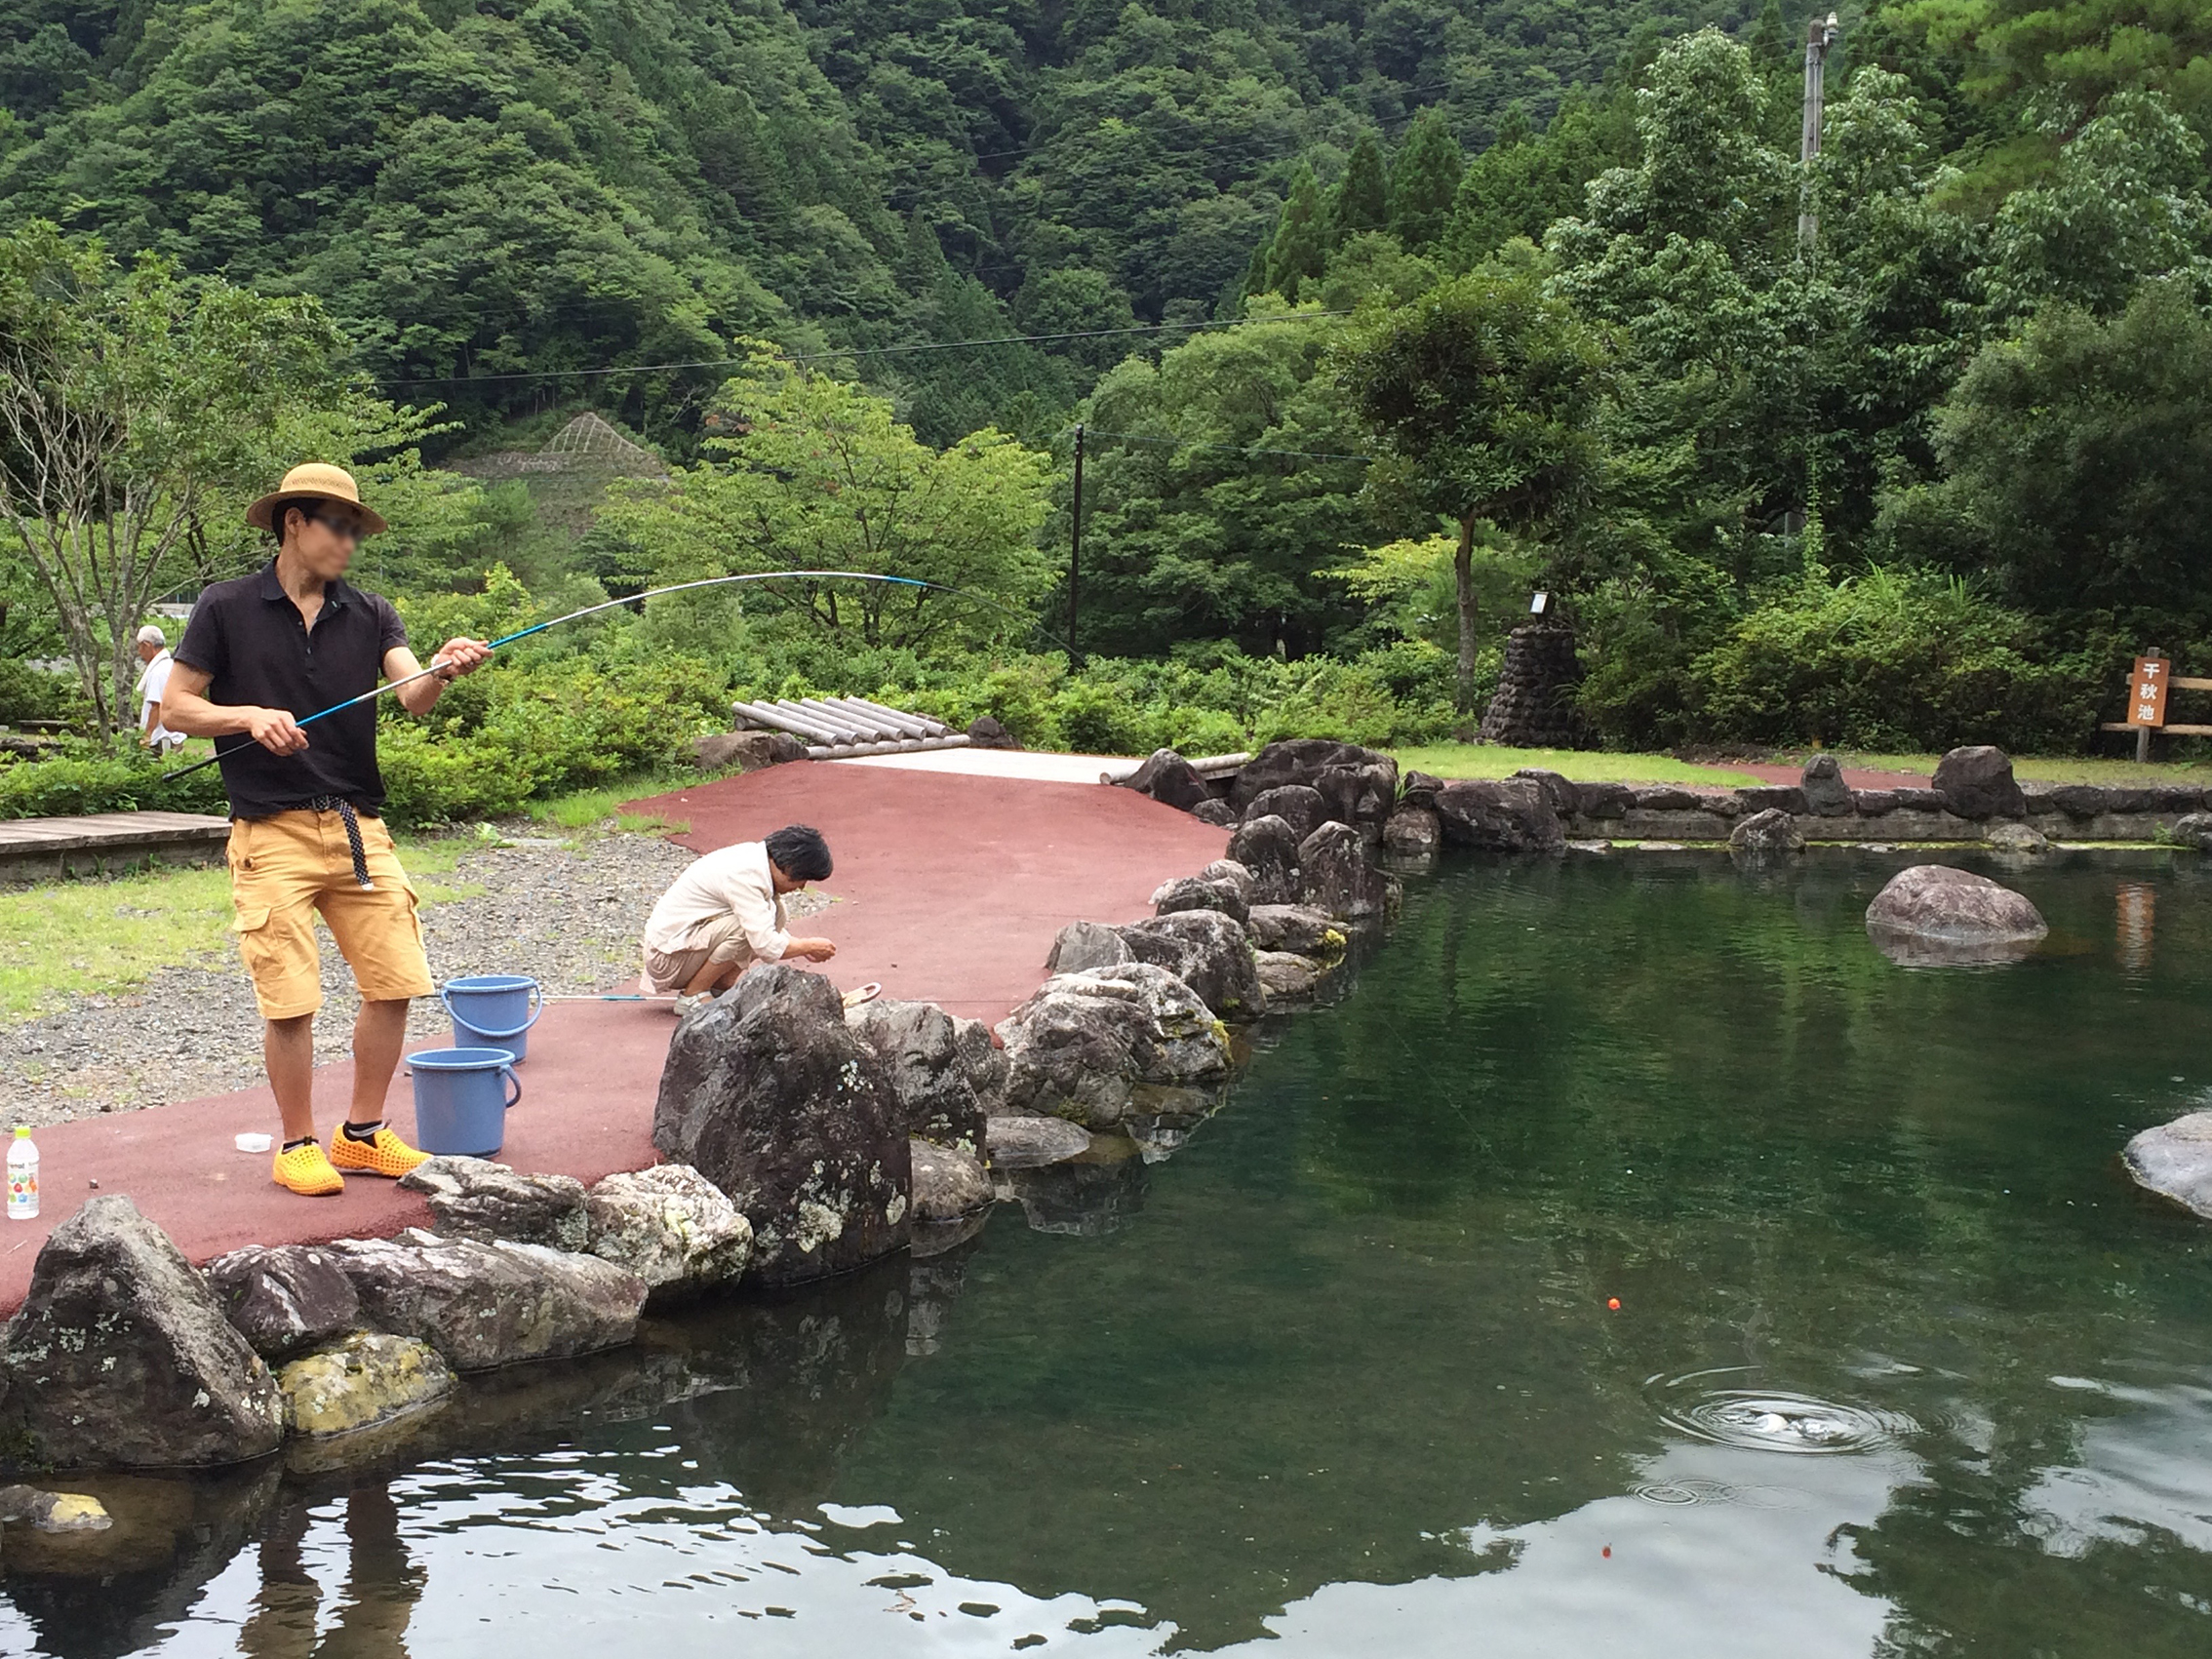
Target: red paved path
column 952, row 888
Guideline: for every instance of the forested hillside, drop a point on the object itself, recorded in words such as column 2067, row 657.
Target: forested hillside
column 477, row 191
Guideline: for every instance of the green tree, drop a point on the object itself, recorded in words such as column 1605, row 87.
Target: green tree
column 2085, row 51
column 1299, row 252
column 1424, row 181
column 816, row 474
column 1362, row 198
column 132, row 405
column 1484, row 393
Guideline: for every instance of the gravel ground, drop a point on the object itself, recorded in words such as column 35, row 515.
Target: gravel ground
column 568, row 913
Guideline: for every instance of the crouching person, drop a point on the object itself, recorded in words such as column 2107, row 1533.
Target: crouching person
column 726, row 913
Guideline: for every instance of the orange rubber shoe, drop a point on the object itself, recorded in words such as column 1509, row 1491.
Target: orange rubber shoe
column 303, row 1169
column 385, row 1155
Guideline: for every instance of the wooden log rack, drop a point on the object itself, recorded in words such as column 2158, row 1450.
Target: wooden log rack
column 834, row 727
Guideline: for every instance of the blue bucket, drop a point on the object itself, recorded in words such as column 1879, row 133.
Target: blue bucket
column 493, row 1010
column 462, row 1097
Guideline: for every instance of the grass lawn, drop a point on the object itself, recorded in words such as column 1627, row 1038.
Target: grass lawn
column 2054, row 768
column 582, row 808
column 77, row 939
column 1583, row 766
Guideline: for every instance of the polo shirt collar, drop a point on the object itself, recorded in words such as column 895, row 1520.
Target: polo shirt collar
column 336, row 593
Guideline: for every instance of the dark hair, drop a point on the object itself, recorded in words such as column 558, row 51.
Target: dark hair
column 800, row 852
column 305, row 504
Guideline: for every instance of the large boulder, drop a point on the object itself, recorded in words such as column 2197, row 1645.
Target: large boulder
column 1977, row 782
column 1268, row 847
column 1234, row 874
column 121, row 1355
column 1336, row 875
column 1303, row 929
column 1030, row 1142
column 671, row 1228
column 770, row 1096
column 919, row 1048
column 1413, row 832
column 284, row 1299
column 1827, row 794
column 985, row 732
column 2193, row 830
column 1215, row 811
column 360, row 1382
column 1772, row 834
column 2017, row 841
column 1196, row 893
column 484, row 1304
column 1207, row 951
column 721, row 751
column 473, row 1198
column 1500, row 816
column 1082, row 946
column 1563, row 792
column 1295, row 759
column 1361, row 795
column 2175, row 1161
column 984, row 1061
column 1418, row 789
column 1605, row 801
column 1298, row 805
column 1933, row 915
column 1171, row 780
column 1088, row 1047
column 1289, row 976
column 948, row 1183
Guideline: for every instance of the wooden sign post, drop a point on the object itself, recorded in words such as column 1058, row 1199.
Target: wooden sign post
column 2147, row 699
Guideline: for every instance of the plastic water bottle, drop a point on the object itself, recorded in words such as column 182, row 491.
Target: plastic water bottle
column 22, row 1177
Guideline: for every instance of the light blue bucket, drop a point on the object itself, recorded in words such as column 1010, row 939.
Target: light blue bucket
column 493, row 1010
column 462, row 1097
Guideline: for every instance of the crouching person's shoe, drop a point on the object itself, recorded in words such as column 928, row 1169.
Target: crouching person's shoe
column 383, row 1154
column 303, row 1169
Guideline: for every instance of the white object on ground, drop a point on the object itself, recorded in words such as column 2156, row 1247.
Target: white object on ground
column 251, row 1142
column 22, row 1177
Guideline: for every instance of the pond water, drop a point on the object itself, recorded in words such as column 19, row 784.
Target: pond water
column 1901, row 1361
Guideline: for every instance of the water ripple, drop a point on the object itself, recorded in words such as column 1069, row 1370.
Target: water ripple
column 1762, row 1419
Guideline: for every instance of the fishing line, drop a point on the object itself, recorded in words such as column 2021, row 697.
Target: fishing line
column 614, row 604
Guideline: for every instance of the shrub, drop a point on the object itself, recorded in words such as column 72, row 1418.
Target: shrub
column 89, row 778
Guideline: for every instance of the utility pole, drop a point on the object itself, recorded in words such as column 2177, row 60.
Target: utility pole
column 1075, row 553
column 1820, row 35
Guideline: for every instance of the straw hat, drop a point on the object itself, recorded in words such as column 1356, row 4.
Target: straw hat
column 323, row 482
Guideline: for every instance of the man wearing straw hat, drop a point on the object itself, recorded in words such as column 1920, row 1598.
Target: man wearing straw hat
column 305, row 833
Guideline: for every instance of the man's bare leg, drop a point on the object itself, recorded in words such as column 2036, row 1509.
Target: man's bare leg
column 287, row 1050
column 715, row 976
column 379, row 1036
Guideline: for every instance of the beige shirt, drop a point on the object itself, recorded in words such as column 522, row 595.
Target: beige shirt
column 729, row 882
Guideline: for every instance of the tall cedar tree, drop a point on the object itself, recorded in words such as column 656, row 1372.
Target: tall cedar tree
column 1362, row 197
column 1300, row 249
column 1425, row 183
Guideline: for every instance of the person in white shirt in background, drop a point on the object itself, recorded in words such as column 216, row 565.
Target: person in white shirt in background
column 153, row 681
column 726, row 913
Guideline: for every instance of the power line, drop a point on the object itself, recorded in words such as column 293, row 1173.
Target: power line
column 841, row 351
column 1233, row 448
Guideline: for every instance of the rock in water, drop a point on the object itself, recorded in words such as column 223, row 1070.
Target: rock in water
column 672, row 1228
column 2175, row 1161
column 920, row 1052
column 1289, row 976
column 284, row 1299
column 1413, row 832
column 365, row 1379
column 1207, row 951
column 473, row 1198
column 948, row 1183
column 1299, row 928
column 2194, row 829
column 484, row 1305
column 1772, row 834
column 984, row 1061
column 1500, row 816
column 1976, row 782
column 1335, row 876
column 1827, row 794
column 2019, row 839
column 1219, row 813
column 770, row 1095
column 1932, row 915
column 1030, row 1142
column 1082, row 946
column 1085, row 1045
column 121, row 1355
column 1196, row 893
column 1298, row 805
column 1361, row 795
column 1268, row 847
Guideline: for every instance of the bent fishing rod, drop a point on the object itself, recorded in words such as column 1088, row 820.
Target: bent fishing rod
column 614, row 604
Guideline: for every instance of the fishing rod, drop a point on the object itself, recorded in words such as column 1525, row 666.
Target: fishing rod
column 612, row 605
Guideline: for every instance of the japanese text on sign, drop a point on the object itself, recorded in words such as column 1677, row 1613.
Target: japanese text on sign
column 2146, row 691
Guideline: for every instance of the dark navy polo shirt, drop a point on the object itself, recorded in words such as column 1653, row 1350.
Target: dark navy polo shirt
column 250, row 636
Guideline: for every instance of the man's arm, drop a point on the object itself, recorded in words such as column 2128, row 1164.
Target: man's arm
column 150, row 719
column 184, row 707
column 456, row 658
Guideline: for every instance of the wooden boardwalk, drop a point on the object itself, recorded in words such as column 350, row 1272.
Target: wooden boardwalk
column 39, row 849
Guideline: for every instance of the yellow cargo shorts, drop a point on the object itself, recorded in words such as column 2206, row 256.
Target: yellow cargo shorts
column 288, row 867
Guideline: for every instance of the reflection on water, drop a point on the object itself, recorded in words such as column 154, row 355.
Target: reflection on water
column 1900, row 1363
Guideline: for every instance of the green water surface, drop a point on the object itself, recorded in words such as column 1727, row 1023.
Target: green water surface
column 1902, row 1363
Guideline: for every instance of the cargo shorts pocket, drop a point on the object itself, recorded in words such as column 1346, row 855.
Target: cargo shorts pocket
column 287, row 977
